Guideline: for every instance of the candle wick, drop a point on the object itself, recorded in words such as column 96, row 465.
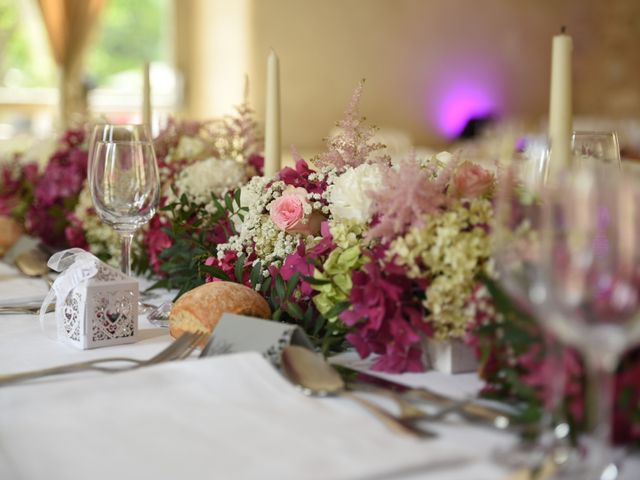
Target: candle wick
column 563, row 29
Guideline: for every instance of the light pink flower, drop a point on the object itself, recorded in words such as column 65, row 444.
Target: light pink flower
column 471, row 180
column 288, row 212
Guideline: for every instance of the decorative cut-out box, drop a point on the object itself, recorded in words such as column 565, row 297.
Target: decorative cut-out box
column 100, row 311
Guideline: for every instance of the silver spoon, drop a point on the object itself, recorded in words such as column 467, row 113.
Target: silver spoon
column 316, row 377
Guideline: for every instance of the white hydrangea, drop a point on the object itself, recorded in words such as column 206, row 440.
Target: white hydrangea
column 199, row 180
column 349, row 196
column 189, row 147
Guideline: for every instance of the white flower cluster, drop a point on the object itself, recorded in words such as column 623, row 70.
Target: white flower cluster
column 272, row 245
column 188, row 147
column 211, row 176
column 350, row 195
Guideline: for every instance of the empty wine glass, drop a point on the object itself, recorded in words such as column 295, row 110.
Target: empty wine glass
column 124, row 183
column 589, row 277
column 515, row 252
column 596, row 146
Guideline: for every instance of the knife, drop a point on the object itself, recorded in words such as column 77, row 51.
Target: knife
column 501, row 418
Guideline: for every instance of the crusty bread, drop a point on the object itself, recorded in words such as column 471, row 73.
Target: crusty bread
column 200, row 309
column 10, row 232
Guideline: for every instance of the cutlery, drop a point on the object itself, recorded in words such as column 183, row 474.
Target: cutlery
column 28, row 309
column 470, row 409
column 317, row 378
column 180, row 349
column 33, row 263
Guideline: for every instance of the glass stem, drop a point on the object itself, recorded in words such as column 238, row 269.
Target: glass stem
column 125, row 252
column 600, row 383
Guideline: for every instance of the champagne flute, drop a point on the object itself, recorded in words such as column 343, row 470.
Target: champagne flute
column 124, row 184
column 589, row 276
column 596, row 146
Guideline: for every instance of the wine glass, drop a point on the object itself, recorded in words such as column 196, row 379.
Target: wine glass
column 515, row 252
column 108, row 132
column 124, row 183
column 589, row 277
column 596, row 146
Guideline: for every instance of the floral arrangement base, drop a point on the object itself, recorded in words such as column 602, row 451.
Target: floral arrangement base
column 450, row 356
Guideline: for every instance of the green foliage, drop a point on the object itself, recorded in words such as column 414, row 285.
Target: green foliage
column 190, row 229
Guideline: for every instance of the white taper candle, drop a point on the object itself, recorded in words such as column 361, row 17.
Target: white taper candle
column 272, row 152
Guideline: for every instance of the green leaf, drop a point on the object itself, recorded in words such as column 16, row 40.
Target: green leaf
column 295, row 311
column 316, row 281
column 280, row 290
column 239, row 268
column 266, row 285
column 215, row 272
column 337, row 309
column 256, row 274
column 292, row 283
column 228, row 202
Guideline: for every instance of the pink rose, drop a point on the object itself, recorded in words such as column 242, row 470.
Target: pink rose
column 288, row 212
column 471, row 180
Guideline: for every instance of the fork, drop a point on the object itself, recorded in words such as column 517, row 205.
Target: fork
column 181, row 348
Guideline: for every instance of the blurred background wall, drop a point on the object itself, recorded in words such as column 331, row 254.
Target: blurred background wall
column 429, row 65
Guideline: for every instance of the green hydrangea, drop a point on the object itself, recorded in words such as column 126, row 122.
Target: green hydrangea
column 335, row 278
column 449, row 250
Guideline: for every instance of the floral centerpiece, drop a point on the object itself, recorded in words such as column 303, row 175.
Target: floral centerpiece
column 356, row 249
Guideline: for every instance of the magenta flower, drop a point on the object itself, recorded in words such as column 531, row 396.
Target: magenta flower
column 156, row 241
column 74, row 233
column 387, row 317
column 299, row 177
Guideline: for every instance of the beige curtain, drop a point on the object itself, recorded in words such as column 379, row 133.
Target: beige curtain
column 69, row 24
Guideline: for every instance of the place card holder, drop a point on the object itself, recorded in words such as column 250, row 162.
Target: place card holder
column 239, row 333
column 100, row 311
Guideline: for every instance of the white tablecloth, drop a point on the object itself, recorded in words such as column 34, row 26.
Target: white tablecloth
column 224, row 417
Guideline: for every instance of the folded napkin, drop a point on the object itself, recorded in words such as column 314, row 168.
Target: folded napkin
column 18, row 289
column 223, row 417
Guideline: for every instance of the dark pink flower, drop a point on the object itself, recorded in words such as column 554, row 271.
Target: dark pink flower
column 156, row 241
column 387, row 317
column 299, row 177
column 74, row 233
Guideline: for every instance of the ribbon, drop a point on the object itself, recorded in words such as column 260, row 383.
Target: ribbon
column 75, row 266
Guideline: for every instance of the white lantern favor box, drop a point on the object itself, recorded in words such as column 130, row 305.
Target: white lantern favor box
column 96, row 305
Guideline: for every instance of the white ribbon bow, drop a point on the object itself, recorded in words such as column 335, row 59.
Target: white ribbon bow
column 75, row 266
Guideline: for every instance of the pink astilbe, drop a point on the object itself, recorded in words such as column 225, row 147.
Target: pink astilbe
column 406, row 196
column 354, row 144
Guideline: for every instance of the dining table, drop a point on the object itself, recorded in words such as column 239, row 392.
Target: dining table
column 226, row 416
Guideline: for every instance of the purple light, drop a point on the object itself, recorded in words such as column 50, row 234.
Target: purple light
column 461, row 103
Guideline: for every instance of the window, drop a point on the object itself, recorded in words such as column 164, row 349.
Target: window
column 127, row 34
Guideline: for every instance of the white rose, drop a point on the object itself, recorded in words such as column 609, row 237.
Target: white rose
column 349, row 196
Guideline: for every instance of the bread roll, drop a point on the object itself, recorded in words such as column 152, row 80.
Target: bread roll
column 200, row 309
column 10, row 232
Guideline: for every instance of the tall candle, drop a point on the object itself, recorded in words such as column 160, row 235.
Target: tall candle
column 272, row 120
column 560, row 110
column 146, row 96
